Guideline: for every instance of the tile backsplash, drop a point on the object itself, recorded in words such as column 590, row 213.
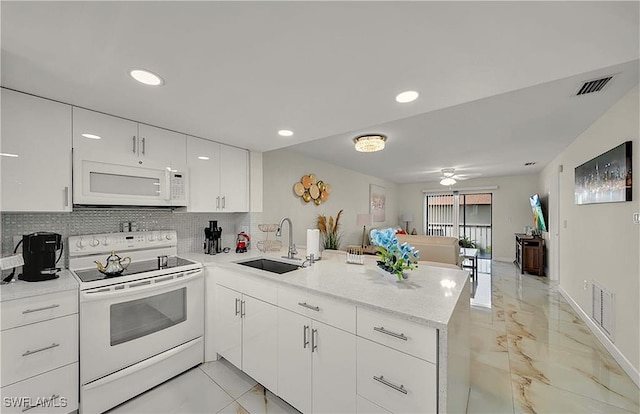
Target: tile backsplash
column 189, row 226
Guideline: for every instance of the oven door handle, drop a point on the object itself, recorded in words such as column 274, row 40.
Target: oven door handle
column 135, row 287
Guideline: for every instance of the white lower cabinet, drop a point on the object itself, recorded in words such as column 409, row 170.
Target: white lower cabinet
column 39, row 354
column 396, row 381
column 246, row 334
column 316, row 361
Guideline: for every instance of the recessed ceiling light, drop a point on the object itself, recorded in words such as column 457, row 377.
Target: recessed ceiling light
column 285, row 132
column 146, row 77
column 407, row 96
column 91, row 136
column 203, row 158
column 370, row 142
column 6, row 154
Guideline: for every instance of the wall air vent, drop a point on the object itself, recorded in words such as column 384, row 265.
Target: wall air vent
column 593, row 86
column 602, row 310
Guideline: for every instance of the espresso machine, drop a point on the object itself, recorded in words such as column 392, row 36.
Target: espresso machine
column 39, row 253
column 212, row 238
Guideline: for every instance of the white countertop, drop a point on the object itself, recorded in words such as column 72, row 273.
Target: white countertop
column 19, row 289
column 428, row 296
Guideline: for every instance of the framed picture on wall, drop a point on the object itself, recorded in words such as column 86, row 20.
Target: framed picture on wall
column 605, row 178
column 377, row 203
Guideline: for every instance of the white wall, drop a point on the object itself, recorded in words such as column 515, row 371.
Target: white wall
column 511, row 208
column 600, row 243
column 283, row 168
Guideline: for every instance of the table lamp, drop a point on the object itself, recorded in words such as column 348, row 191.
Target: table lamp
column 364, row 220
column 407, row 217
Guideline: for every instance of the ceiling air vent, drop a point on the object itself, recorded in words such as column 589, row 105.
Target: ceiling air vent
column 593, row 86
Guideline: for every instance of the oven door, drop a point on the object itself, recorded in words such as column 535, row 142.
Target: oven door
column 123, row 324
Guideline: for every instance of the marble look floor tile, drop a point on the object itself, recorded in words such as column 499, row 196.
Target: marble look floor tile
column 489, row 346
column 190, row 392
column 233, row 408
column 490, row 390
column 532, row 396
column 257, row 401
column 230, row 378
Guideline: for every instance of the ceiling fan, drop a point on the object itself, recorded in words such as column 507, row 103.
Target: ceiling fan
column 449, row 176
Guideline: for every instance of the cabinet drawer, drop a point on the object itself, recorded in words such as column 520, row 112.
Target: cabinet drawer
column 32, row 349
column 406, row 336
column 321, row 308
column 365, row 406
column 61, row 384
column 38, row 308
column 396, row 381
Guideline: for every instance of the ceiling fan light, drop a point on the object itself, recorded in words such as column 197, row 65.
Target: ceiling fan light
column 448, row 181
column 370, row 143
column 448, row 172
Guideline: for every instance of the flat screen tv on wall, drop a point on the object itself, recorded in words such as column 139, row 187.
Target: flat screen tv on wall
column 539, row 223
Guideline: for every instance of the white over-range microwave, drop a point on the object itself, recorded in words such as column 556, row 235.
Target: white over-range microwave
column 97, row 183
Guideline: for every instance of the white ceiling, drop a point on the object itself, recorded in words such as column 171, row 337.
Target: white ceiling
column 495, row 78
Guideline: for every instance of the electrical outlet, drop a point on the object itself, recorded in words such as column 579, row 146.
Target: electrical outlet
column 636, row 218
column 564, row 224
column 586, row 285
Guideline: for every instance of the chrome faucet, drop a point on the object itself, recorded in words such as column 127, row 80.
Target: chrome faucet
column 291, row 253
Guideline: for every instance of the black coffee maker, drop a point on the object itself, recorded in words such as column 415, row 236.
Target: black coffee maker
column 212, row 236
column 39, row 252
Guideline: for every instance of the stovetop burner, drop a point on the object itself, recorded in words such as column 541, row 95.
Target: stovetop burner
column 91, row 275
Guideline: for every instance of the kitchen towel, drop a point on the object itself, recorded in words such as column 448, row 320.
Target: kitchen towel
column 313, row 243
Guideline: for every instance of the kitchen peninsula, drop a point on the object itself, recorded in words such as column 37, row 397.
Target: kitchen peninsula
column 337, row 335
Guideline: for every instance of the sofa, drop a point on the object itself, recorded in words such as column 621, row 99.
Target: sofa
column 437, row 249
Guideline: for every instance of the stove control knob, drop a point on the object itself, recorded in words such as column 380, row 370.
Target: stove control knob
column 81, row 243
column 94, row 242
column 106, row 241
column 152, row 237
column 168, row 236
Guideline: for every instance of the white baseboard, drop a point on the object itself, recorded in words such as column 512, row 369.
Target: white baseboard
column 615, row 352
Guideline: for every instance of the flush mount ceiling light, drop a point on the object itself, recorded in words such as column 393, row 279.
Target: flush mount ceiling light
column 146, row 77
column 407, row 96
column 203, row 158
column 6, row 154
column 370, row 142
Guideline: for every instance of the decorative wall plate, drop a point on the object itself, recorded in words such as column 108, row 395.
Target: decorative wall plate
column 310, row 188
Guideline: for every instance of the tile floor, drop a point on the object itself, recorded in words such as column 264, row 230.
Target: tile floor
column 530, row 354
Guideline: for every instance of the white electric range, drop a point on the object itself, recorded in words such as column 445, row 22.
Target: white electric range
column 141, row 327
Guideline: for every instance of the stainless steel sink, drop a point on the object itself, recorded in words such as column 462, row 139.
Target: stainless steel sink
column 269, row 265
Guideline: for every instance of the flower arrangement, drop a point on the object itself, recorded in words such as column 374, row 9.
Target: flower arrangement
column 393, row 256
column 329, row 230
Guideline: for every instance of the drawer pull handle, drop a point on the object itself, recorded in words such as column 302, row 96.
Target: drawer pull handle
column 395, row 335
column 388, row 384
column 53, row 398
column 53, row 345
column 41, row 309
column 305, row 305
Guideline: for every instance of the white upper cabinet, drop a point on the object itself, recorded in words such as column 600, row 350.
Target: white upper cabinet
column 218, row 177
column 36, row 148
column 107, row 138
column 162, row 146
